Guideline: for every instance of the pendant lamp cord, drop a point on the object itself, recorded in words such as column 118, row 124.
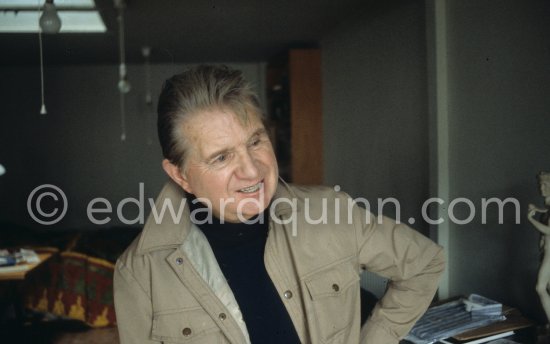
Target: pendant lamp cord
column 122, row 117
column 43, row 106
column 123, row 83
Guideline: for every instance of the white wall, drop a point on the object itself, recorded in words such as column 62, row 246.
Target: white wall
column 77, row 146
column 499, row 115
column 379, row 140
column 375, row 110
column 375, row 106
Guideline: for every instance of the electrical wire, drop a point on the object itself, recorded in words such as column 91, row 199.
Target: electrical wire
column 122, row 117
column 43, row 106
column 123, row 84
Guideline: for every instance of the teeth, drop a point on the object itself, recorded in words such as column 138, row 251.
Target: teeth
column 251, row 189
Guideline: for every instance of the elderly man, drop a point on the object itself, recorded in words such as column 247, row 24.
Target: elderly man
column 232, row 254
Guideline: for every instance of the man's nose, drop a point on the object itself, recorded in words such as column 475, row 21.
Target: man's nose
column 248, row 168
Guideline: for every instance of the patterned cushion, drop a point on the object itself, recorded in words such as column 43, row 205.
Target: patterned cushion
column 74, row 285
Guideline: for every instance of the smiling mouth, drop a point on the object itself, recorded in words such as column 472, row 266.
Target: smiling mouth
column 253, row 188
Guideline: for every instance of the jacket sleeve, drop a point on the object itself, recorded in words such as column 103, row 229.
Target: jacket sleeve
column 133, row 307
column 413, row 265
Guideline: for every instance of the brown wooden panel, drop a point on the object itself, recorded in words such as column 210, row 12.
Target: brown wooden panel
column 306, row 116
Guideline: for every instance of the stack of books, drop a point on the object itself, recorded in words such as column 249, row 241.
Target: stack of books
column 475, row 319
column 481, row 307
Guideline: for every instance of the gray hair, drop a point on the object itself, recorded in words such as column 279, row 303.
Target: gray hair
column 544, row 177
column 203, row 88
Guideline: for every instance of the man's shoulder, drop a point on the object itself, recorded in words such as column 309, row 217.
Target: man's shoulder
column 137, row 260
column 127, row 258
column 316, row 191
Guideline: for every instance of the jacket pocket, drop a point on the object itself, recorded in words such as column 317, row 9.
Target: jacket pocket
column 334, row 297
column 193, row 326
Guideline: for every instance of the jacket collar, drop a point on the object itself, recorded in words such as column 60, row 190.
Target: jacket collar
column 169, row 222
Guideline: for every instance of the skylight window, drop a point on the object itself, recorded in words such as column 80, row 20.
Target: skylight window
column 22, row 16
column 33, row 4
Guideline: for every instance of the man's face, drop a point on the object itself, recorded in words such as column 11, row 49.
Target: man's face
column 230, row 164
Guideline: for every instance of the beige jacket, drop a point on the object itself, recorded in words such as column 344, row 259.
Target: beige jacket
column 168, row 287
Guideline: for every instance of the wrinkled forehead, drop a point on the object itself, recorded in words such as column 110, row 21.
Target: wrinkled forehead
column 211, row 129
column 244, row 118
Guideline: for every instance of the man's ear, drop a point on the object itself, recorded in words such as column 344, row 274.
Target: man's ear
column 176, row 175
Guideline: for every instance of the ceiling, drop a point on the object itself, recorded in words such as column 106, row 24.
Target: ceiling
column 187, row 31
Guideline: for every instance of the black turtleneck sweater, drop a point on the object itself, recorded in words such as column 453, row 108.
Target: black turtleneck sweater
column 239, row 249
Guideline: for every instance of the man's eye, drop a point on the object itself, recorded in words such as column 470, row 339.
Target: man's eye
column 255, row 142
column 221, row 158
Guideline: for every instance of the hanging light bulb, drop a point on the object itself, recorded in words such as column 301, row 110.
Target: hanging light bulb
column 123, row 83
column 49, row 20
